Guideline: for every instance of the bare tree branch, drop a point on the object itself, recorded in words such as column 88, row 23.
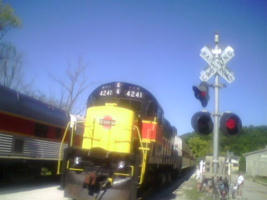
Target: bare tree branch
column 11, row 74
column 73, row 86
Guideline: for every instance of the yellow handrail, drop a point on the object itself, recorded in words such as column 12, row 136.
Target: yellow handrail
column 76, row 169
column 121, row 174
column 60, row 149
column 124, row 174
column 139, row 136
column 144, row 151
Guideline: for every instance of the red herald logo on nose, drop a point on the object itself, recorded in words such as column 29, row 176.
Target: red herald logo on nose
column 107, row 122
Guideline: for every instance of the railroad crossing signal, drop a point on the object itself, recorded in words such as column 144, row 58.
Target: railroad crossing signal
column 201, row 122
column 202, row 93
column 217, row 61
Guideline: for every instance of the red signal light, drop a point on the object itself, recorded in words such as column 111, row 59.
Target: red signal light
column 203, row 93
column 230, row 124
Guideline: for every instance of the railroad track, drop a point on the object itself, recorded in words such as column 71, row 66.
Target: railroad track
column 166, row 191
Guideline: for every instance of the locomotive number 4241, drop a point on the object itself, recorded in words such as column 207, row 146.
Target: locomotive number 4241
column 106, row 93
column 133, row 93
column 128, row 93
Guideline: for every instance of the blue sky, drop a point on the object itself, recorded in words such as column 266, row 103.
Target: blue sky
column 155, row 44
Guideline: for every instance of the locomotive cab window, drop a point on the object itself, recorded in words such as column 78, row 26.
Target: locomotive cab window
column 160, row 115
column 151, row 110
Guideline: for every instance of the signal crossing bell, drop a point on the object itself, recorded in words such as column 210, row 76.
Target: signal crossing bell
column 230, row 124
column 202, row 123
column 202, row 93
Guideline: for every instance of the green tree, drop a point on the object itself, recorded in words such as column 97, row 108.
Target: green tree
column 250, row 139
column 200, row 147
column 8, row 19
column 242, row 164
column 11, row 69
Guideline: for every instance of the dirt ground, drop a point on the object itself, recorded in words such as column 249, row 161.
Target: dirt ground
column 182, row 189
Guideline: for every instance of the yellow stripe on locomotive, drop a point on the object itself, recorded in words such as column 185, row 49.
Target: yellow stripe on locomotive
column 108, row 127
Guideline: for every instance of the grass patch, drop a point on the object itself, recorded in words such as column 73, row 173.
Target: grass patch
column 193, row 194
column 260, row 179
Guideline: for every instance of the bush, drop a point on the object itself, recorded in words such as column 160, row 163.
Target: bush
column 242, row 164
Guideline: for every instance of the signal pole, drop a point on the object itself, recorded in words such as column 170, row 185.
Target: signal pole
column 216, row 59
column 216, row 125
column 216, row 111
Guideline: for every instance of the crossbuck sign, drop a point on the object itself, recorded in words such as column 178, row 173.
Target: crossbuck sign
column 217, row 61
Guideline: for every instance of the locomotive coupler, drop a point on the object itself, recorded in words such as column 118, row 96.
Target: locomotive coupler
column 96, row 182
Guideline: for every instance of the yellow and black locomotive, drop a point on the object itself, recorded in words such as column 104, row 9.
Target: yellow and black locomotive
column 127, row 145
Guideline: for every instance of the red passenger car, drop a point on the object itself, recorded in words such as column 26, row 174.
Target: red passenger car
column 30, row 134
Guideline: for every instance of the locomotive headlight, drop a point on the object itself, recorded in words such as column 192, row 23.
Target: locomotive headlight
column 77, row 160
column 121, row 164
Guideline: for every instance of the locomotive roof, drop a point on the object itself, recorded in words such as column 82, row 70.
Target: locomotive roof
column 122, row 90
column 22, row 105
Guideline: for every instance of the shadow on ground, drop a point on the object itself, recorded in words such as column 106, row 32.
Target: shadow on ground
column 166, row 193
column 27, row 184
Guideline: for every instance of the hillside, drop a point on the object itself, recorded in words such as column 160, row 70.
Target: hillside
column 250, row 139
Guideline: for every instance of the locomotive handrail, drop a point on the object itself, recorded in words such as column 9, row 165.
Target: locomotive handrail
column 76, row 169
column 60, row 149
column 139, row 136
column 144, row 152
column 121, row 174
column 73, row 126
